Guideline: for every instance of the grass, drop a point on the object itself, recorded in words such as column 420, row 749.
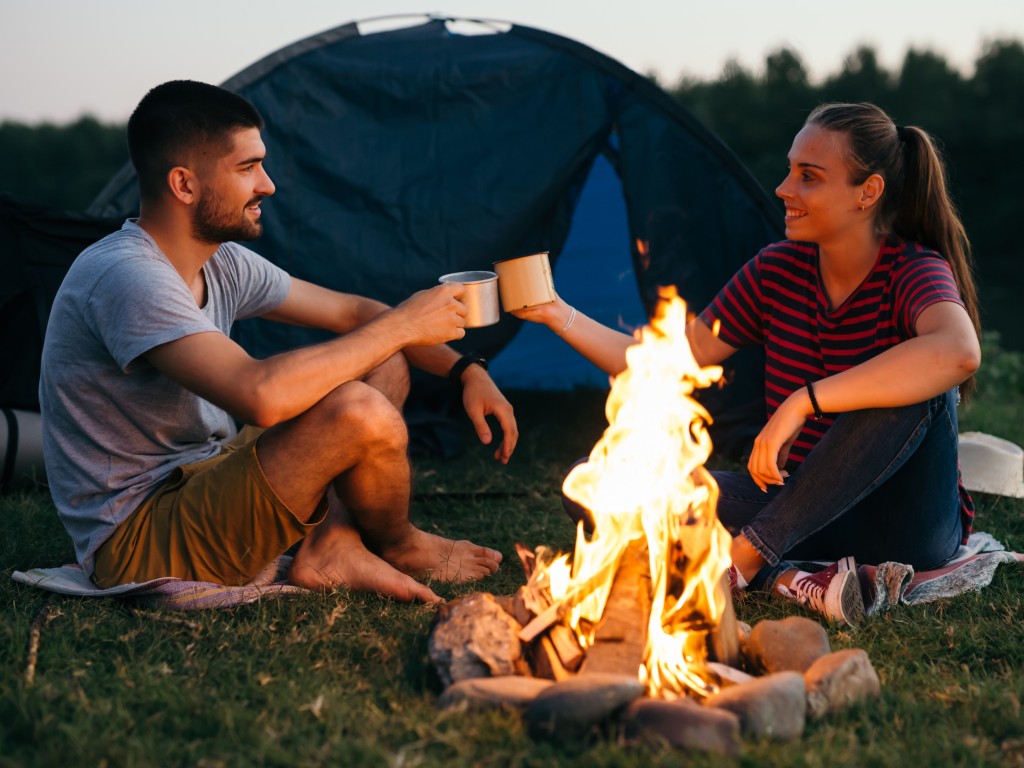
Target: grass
column 344, row 679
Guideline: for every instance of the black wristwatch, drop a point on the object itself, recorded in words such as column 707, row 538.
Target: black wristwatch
column 468, row 359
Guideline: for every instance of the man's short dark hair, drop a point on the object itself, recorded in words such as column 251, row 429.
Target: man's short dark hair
column 177, row 118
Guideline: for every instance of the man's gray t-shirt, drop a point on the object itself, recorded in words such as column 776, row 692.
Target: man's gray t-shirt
column 113, row 426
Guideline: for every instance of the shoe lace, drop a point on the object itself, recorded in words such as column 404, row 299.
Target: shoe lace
column 810, row 592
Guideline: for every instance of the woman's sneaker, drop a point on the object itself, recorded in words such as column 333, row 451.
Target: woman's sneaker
column 833, row 592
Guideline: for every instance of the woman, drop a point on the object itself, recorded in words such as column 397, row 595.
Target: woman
column 868, row 314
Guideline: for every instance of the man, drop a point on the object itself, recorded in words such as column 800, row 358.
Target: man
column 141, row 386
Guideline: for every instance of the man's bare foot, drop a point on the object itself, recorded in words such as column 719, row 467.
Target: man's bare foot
column 334, row 556
column 425, row 555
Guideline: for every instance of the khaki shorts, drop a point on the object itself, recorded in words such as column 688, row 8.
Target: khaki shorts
column 217, row 520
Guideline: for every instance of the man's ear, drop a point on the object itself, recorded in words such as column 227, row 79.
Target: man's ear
column 871, row 191
column 182, row 184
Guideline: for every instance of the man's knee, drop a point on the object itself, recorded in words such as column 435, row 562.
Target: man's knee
column 360, row 414
column 391, row 378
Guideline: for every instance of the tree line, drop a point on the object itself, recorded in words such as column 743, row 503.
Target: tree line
column 977, row 121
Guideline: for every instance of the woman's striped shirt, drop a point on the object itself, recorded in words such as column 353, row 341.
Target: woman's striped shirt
column 776, row 299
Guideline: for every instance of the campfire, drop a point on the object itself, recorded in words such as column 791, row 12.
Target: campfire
column 653, row 509
column 642, row 609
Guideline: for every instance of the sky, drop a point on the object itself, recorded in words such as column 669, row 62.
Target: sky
column 60, row 59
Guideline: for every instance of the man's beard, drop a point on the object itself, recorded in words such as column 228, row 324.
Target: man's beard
column 215, row 224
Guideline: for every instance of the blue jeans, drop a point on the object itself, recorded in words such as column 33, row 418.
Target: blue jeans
column 881, row 485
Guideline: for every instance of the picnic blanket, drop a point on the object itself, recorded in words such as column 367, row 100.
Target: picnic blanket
column 884, row 586
column 168, row 592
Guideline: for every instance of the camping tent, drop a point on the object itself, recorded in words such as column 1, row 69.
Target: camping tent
column 408, row 152
column 37, row 245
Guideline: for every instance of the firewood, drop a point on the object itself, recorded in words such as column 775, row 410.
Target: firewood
column 621, row 636
column 567, row 646
column 516, row 608
column 553, row 614
column 545, row 661
column 558, row 609
column 527, row 557
column 724, row 640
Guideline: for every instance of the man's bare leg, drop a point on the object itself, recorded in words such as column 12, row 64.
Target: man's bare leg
column 368, row 465
column 391, row 379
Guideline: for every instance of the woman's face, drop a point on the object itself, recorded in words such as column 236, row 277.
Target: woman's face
column 821, row 203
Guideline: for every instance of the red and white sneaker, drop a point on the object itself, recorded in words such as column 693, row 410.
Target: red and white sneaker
column 737, row 583
column 833, row 592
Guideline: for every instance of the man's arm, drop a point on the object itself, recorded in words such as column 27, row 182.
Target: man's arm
column 313, row 306
column 267, row 392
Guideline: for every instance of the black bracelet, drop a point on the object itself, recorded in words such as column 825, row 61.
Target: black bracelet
column 468, row 359
column 814, row 401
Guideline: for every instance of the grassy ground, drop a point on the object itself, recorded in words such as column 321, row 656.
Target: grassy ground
column 344, row 679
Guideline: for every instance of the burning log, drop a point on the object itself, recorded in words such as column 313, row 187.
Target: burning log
column 557, row 611
column 545, row 661
column 621, row 635
column 566, row 646
column 724, row 638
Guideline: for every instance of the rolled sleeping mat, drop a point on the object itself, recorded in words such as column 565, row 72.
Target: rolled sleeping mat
column 21, row 448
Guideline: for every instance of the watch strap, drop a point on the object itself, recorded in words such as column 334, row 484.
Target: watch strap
column 468, row 359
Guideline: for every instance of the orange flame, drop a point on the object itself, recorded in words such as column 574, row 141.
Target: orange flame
column 645, row 478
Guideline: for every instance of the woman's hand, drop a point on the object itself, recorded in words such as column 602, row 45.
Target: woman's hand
column 554, row 314
column 771, row 446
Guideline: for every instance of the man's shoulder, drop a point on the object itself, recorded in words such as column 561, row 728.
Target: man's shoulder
column 120, row 245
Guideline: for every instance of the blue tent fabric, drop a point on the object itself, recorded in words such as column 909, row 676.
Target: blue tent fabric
column 405, row 154
column 594, row 273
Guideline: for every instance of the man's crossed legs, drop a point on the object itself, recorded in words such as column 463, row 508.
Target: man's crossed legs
column 354, row 444
column 336, row 477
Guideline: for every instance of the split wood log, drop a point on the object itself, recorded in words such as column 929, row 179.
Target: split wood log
column 724, row 638
column 542, row 621
column 527, row 557
column 558, row 609
column 545, row 662
column 621, row 636
column 566, row 646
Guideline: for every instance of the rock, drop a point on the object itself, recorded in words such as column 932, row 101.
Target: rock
column 473, row 637
column 572, row 708
column 773, row 706
column 492, row 692
column 684, row 724
column 790, row 644
column 838, row 680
